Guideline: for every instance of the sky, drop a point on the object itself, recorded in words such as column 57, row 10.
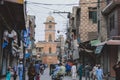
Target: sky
column 41, row 11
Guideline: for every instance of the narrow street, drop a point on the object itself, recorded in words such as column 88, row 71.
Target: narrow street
column 68, row 35
column 46, row 76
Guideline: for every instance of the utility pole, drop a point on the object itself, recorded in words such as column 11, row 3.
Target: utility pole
column 64, row 12
column 98, row 16
column 68, row 16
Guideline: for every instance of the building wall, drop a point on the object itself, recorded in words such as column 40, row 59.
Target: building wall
column 118, row 13
column 103, row 23
column 113, row 58
column 50, row 60
column 86, row 25
column 112, row 27
column 50, row 45
column 49, row 31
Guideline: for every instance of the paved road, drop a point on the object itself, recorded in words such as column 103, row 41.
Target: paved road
column 46, row 76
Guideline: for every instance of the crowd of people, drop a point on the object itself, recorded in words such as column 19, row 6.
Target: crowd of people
column 34, row 70
column 72, row 69
column 62, row 69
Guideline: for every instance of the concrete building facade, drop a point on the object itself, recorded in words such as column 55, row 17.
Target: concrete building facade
column 88, row 20
column 110, row 10
column 83, row 29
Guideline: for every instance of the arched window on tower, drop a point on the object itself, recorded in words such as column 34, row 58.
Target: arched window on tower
column 50, row 37
column 50, row 50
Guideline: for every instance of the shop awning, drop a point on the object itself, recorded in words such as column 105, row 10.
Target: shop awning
column 12, row 13
column 113, row 42
column 16, row 1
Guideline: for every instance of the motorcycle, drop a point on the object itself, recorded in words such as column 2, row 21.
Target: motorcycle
column 57, row 77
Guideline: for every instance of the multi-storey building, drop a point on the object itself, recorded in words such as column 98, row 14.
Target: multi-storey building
column 83, row 28
column 110, row 28
column 88, row 20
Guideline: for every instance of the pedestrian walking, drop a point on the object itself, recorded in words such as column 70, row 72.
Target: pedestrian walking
column 80, row 71
column 94, row 71
column 20, row 70
column 68, row 68
column 99, row 73
column 41, row 69
column 116, row 68
column 37, row 67
column 74, row 71
column 8, row 74
column 15, row 72
column 87, row 71
column 31, row 72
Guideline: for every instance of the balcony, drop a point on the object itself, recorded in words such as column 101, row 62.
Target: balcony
column 111, row 4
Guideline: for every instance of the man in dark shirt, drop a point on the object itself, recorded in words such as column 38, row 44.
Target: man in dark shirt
column 117, row 70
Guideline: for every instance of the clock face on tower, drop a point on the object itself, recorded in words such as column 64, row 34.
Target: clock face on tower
column 50, row 26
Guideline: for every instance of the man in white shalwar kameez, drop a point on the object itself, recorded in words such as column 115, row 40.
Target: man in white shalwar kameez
column 74, row 72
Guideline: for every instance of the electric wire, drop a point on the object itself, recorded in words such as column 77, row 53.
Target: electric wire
column 29, row 2
column 48, row 4
column 49, row 9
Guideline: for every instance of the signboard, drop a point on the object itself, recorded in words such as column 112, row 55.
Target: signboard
column 98, row 49
column 94, row 42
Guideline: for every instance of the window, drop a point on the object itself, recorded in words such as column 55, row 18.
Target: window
column 50, row 50
column 40, row 49
column 50, row 21
column 93, row 14
column 50, row 26
column 50, row 37
column 112, row 22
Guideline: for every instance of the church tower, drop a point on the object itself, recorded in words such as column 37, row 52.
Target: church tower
column 50, row 29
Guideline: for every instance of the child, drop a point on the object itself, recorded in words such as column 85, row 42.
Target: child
column 8, row 74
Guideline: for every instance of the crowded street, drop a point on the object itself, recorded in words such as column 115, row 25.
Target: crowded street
column 59, row 39
column 45, row 76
